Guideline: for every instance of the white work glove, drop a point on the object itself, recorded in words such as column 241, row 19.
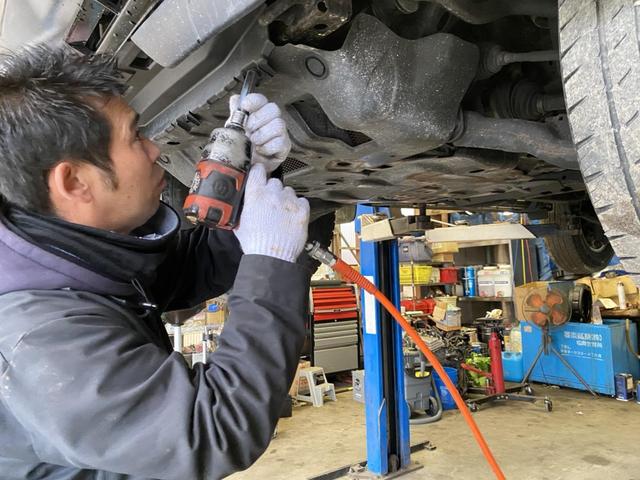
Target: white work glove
column 274, row 221
column 266, row 129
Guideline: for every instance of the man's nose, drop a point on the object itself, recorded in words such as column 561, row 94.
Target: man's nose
column 153, row 152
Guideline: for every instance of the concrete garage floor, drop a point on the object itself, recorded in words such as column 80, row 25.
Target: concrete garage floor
column 583, row 438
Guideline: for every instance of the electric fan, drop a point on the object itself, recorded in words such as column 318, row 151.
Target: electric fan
column 560, row 303
column 552, row 309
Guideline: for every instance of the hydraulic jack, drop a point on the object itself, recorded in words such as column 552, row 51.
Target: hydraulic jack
column 496, row 389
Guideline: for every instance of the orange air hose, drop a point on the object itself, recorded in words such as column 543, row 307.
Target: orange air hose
column 350, row 274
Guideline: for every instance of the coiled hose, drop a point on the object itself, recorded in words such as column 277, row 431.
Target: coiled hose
column 317, row 252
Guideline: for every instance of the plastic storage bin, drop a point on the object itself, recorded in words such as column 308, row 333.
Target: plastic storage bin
column 486, row 282
column 503, row 285
column 414, row 251
column 425, row 305
column 421, row 274
column 448, row 275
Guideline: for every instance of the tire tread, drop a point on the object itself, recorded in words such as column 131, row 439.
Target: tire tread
column 601, row 61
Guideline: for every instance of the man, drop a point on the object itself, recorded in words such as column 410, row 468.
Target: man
column 89, row 257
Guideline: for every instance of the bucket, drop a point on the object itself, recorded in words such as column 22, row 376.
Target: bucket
column 445, row 396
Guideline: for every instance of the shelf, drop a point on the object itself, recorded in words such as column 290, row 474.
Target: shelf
column 485, row 299
column 437, row 284
column 470, row 235
column 483, row 243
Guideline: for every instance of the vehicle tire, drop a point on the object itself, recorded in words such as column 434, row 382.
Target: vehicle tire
column 600, row 62
column 583, row 253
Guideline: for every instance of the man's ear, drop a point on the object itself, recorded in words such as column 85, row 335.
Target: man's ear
column 70, row 181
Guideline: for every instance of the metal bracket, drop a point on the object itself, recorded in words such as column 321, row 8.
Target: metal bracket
column 478, row 13
column 308, row 20
column 130, row 16
column 358, row 468
column 411, row 224
column 360, row 472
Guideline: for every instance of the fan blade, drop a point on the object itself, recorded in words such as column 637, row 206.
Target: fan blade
column 535, row 301
column 554, row 298
column 539, row 319
column 558, row 317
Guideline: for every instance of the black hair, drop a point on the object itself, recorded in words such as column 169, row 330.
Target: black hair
column 49, row 111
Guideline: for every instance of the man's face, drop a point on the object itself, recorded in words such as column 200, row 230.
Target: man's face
column 139, row 179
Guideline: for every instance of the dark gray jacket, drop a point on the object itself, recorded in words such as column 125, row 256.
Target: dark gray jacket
column 89, row 389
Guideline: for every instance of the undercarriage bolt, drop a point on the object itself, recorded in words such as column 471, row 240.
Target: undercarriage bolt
column 316, row 67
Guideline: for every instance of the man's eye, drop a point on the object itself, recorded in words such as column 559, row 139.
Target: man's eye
column 138, row 135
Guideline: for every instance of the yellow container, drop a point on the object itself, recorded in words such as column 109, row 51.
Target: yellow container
column 421, row 274
column 444, row 247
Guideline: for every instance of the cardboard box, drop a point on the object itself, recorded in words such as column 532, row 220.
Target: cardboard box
column 606, row 289
column 446, row 314
column 442, row 258
column 439, row 312
column 377, row 231
column 447, row 328
column 444, row 247
column 215, row 315
column 301, row 385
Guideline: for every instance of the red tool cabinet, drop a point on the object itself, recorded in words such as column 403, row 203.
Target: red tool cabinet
column 335, row 318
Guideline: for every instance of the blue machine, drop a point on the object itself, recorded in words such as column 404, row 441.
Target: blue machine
column 596, row 352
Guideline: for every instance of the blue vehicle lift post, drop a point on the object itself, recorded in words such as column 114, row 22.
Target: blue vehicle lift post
column 386, row 410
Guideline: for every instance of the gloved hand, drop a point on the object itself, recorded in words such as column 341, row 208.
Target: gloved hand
column 273, row 221
column 266, row 129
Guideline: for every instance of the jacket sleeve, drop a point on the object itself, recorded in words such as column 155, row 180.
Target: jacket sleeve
column 95, row 394
column 201, row 264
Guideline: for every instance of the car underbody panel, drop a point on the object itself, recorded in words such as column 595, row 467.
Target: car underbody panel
column 387, row 102
column 377, row 118
column 453, row 104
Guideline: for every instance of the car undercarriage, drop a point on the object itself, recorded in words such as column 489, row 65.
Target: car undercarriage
column 449, row 104
column 378, row 117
